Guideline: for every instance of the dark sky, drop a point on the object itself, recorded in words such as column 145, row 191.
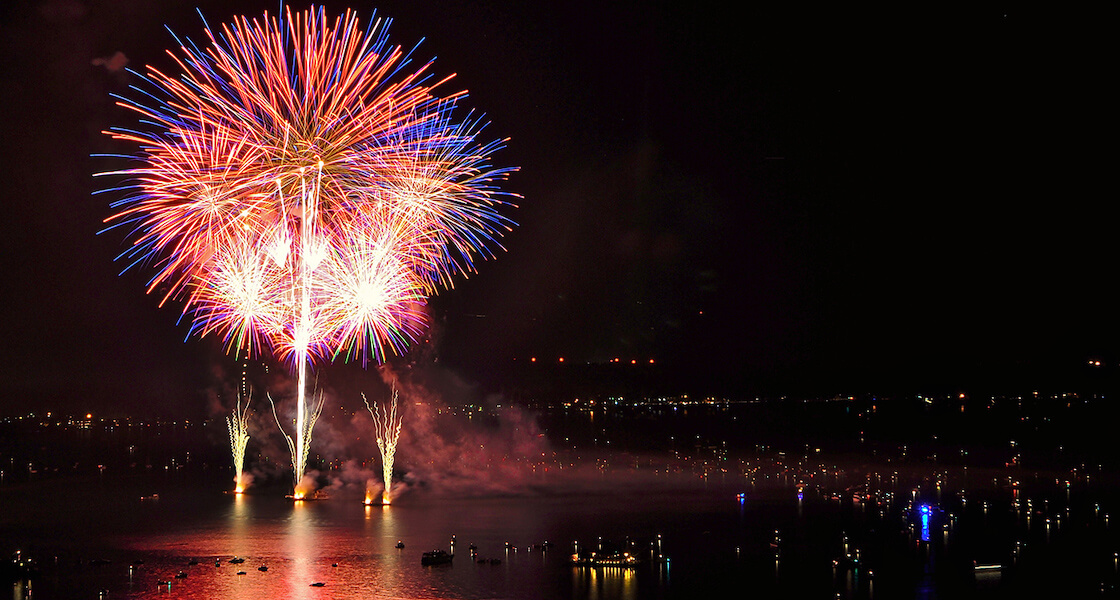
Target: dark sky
column 770, row 200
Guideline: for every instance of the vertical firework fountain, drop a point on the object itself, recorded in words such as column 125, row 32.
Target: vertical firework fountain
column 238, row 426
column 300, row 445
column 301, row 192
column 387, row 426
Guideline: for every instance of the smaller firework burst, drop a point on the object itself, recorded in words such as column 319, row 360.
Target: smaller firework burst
column 238, row 440
column 387, row 425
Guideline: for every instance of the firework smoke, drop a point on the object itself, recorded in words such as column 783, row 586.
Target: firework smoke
column 387, row 426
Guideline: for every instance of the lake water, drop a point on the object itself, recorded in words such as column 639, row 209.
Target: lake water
column 98, row 538
column 830, row 508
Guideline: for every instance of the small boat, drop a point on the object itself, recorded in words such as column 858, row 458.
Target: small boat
column 262, row 568
column 236, row 561
column 180, row 575
column 241, row 572
column 317, row 584
column 609, row 559
column 400, row 545
column 193, row 562
column 436, row 557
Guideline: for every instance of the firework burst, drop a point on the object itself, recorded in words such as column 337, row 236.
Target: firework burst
column 301, row 188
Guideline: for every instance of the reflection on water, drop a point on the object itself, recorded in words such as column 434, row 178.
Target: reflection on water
column 301, row 538
column 604, row 583
column 819, row 540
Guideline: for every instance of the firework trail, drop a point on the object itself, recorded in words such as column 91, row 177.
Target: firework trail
column 300, row 445
column 301, row 189
column 238, row 425
column 387, row 426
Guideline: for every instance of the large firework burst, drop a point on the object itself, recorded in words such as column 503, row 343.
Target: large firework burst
column 301, row 188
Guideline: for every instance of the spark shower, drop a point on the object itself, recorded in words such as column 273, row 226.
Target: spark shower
column 301, row 187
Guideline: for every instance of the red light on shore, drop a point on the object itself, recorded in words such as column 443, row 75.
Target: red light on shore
column 534, row 359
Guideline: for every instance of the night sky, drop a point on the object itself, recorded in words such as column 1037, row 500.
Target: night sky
column 769, row 201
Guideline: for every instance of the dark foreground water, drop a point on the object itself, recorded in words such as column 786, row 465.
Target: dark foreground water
column 850, row 533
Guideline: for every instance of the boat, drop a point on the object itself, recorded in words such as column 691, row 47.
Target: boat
column 20, row 567
column 236, row 561
column 436, row 557
column 317, row 584
column 262, row 568
column 400, row 545
column 601, row 559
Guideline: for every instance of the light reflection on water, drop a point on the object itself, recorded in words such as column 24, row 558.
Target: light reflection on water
column 713, row 537
column 605, row 583
column 351, row 549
